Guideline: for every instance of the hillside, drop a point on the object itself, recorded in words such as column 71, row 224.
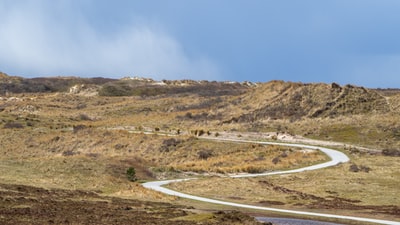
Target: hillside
column 316, row 110
column 78, row 136
column 253, row 102
column 293, row 101
column 16, row 85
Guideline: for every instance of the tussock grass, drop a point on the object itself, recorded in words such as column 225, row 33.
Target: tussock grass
column 76, row 173
column 377, row 189
column 252, row 161
column 96, row 157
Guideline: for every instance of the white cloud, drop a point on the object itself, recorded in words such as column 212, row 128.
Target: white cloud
column 42, row 40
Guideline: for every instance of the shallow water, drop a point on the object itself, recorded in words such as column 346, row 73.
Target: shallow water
column 288, row 221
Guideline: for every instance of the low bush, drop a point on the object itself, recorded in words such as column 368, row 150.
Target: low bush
column 13, row 125
column 78, row 128
column 169, row 144
column 276, row 160
column 70, row 153
column 391, row 152
column 361, row 168
column 205, row 154
column 84, row 117
column 131, row 174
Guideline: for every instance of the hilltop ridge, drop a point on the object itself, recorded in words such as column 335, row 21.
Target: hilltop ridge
column 280, row 100
column 243, row 102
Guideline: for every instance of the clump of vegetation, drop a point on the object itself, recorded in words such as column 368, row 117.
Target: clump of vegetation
column 170, row 144
column 205, row 154
column 13, row 125
column 391, row 152
column 252, row 169
column 120, row 146
column 361, row 168
column 3, row 107
column 276, row 160
column 84, row 117
column 79, row 128
column 70, row 153
column 131, row 174
column 199, row 132
column 115, row 89
column 45, row 84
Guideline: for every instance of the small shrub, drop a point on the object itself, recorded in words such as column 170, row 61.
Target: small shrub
column 69, row 153
column 78, row 128
column 169, row 144
column 119, row 146
column 200, row 133
column 81, row 106
column 391, row 152
column 354, row 168
column 188, row 115
column 93, row 155
column 84, row 117
column 283, row 155
column 131, row 174
column 365, row 169
column 205, row 154
column 276, row 160
column 13, row 125
column 252, row 169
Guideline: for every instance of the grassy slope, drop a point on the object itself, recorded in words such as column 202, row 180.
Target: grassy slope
column 332, row 190
column 34, row 153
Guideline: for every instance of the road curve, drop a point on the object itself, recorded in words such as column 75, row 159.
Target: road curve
column 336, row 158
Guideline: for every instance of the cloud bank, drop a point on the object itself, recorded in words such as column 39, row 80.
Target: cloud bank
column 42, row 39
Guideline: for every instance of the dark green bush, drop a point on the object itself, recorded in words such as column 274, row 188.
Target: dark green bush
column 131, row 174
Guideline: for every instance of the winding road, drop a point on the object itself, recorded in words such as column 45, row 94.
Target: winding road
column 336, row 158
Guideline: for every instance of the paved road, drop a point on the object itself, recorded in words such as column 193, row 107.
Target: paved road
column 336, row 158
column 290, row 221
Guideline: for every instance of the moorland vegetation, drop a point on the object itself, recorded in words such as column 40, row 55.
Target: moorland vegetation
column 69, row 133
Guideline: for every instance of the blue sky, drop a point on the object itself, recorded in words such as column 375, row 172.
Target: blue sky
column 343, row 41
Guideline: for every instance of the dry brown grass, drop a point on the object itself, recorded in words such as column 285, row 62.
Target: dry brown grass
column 47, row 152
column 332, row 190
column 252, row 159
